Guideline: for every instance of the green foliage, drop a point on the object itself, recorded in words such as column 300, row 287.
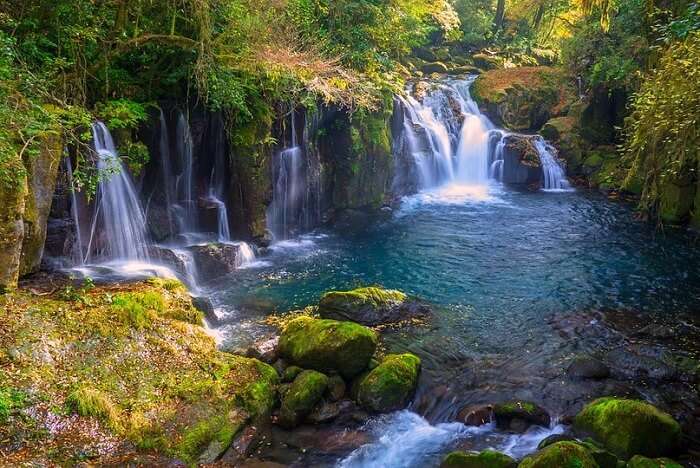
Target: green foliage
column 10, row 400
column 663, row 141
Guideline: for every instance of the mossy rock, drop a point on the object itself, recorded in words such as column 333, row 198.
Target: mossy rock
column 391, row 384
column 629, row 427
column 560, row 455
column 290, row 373
column 328, row 345
column 485, row 459
column 558, row 127
column 434, row 67
column 676, row 202
column 642, row 462
column 518, row 415
column 602, row 457
column 486, row 62
column 370, row 306
column 301, row 397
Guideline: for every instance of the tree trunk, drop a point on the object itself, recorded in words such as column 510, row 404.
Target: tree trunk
column 500, row 15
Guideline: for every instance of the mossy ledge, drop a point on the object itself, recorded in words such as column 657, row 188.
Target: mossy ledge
column 121, row 374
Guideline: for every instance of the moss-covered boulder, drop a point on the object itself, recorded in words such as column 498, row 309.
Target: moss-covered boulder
column 518, row 415
column 629, row 427
column 391, row 384
column 560, row 455
column 301, row 397
column 434, row 67
column 642, row 462
column 523, row 98
column 328, row 345
column 370, row 306
column 485, row 459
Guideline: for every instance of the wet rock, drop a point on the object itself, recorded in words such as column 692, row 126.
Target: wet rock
column 637, row 362
column 553, row 439
column 304, row 393
column 629, row 427
column 475, row 415
column 643, row 462
column 241, row 447
column 257, row 463
column 264, row 349
column 326, row 411
column 521, row 162
column 434, row 67
column 602, row 457
column 391, row 385
column 518, row 415
column 169, row 258
column 204, row 305
column 485, row 459
column 370, row 306
column 336, row 388
column 328, row 345
column 216, row 260
column 290, row 373
column 560, row 454
column 587, row 367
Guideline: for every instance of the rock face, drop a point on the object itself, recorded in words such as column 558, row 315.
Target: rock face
column 25, row 201
column 301, row 397
column 586, row 367
column 629, row 427
column 391, row 384
column 521, row 164
column 485, row 459
column 328, row 345
column 518, row 415
column 370, row 306
column 521, row 99
column 215, row 260
column 561, row 454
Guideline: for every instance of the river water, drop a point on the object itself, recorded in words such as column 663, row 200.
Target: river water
column 521, row 282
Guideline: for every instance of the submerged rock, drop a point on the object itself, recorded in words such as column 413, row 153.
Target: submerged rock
column 586, row 367
column 561, row 454
column 328, row 345
column 370, row 306
column 518, row 415
column 301, row 397
column 485, row 459
column 629, row 427
column 642, row 462
column 391, row 384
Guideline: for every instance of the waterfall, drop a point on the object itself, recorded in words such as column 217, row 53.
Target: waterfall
column 166, row 169
column 78, row 247
column 445, row 139
column 554, row 176
column 217, row 181
column 123, row 223
column 186, row 206
column 295, row 187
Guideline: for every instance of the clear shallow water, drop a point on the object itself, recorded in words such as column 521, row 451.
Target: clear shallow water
column 517, row 279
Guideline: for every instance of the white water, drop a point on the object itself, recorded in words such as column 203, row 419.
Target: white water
column 405, row 439
column 450, row 142
column 186, row 206
column 554, row 177
column 118, row 210
column 78, row 247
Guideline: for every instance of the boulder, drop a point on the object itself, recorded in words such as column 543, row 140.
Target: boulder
column 587, row 367
column 642, row 462
column 424, row 53
column 301, row 397
column 464, row 70
column 336, row 388
column 290, row 373
column 370, row 306
column 434, row 67
column 518, row 415
column 629, row 427
column 391, row 384
column 475, row 415
column 561, row 454
column 328, row 345
column 521, row 162
column 486, row 62
column 215, row 260
column 485, row 459
column 553, row 439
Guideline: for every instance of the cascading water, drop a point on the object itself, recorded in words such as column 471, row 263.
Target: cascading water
column 118, row 210
column 447, row 140
column 166, row 168
column 217, row 183
column 78, row 246
column 296, row 198
column 186, row 206
column 554, row 177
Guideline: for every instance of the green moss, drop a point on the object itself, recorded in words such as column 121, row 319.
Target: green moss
column 391, row 384
column 304, row 393
column 10, row 400
column 348, row 303
column 91, row 402
column 560, row 455
column 290, row 373
column 327, row 345
column 643, row 462
column 207, row 439
column 485, row 459
column 629, row 427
